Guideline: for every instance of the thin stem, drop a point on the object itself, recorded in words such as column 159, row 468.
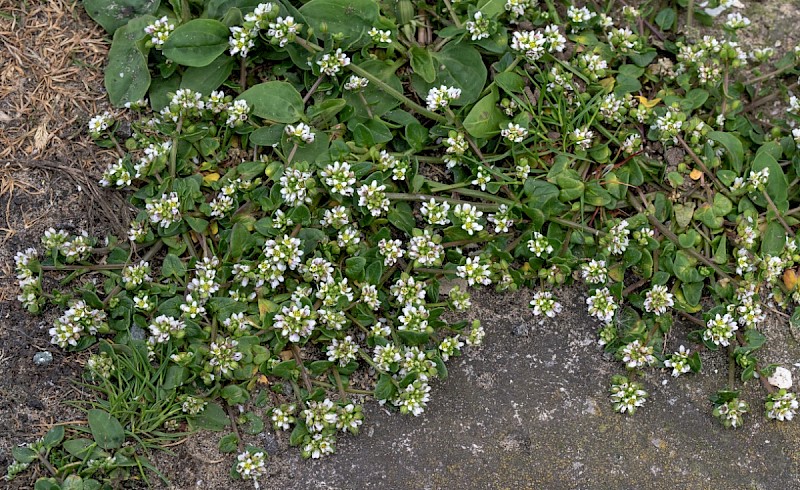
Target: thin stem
column 691, row 318
column 96, row 267
column 394, row 93
column 313, row 88
column 396, row 196
column 366, row 104
column 468, row 241
column 235, row 428
column 703, row 167
column 47, row 464
column 339, row 384
column 577, row 226
column 243, row 74
column 674, row 239
column 452, row 13
column 291, row 154
column 778, row 215
column 731, row 367
column 173, row 151
column 303, row 372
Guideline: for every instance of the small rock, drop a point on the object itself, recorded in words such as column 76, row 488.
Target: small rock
column 137, row 333
column 781, row 378
column 270, row 443
column 42, row 358
column 521, row 330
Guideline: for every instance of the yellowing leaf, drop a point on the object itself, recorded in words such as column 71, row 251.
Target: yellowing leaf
column 648, row 103
column 213, row 227
column 790, row 279
column 266, row 306
column 695, row 174
column 209, row 178
column 608, row 83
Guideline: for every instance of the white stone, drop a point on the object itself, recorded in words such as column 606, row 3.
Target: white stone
column 781, row 378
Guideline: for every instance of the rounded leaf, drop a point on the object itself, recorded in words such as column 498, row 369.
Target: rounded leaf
column 274, row 101
column 197, row 42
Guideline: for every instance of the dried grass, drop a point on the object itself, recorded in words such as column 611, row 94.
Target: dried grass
column 50, row 76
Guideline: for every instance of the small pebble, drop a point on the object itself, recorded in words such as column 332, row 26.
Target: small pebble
column 42, row 358
column 137, row 333
column 520, row 330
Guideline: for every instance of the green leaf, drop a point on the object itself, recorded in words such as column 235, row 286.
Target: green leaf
column 694, row 99
column 485, row 118
column 732, row 145
column 208, row 78
column 79, row 447
column 113, row 14
column 267, row 135
column 374, row 272
column 774, row 239
column 685, row 268
column 175, row 377
column 666, row 18
column 239, row 239
column 217, row 9
column 351, row 18
column 127, row 77
column 173, row 266
column 234, row 395
column 253, row 424
column 422, row 63
column 459, row 65
column 385, row 389
column 23, row 454
column 54, row 436
column 197, row 224
column 298, row 433
column 402, row 218
column 197, row 43
column 354, row 268
column 777, row 185
column 106, row 429
column 286, row 370
column 213, row 417
column 510, row 82
column 72, row 482
column 160, row 90
column 379, row 102
column 46, row 484
column 692, row 292
column 228, row 444
column 274, row 101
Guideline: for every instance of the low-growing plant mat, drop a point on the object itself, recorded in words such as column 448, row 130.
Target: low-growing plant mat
column 528, row 411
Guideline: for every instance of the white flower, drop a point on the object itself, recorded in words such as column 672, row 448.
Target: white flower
column 594, row 272
column 159, row 31
column 720, row 329
column 240, row 41
column 478, row 27
column 514, row 133
column 440, row 97
column 544, row 304
column 539, row 245
column 635, row 355
column 302, row 131
column 657, row 300
column 679, row 362
column 331, row 64
column 602, row 305
column 373, row 197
